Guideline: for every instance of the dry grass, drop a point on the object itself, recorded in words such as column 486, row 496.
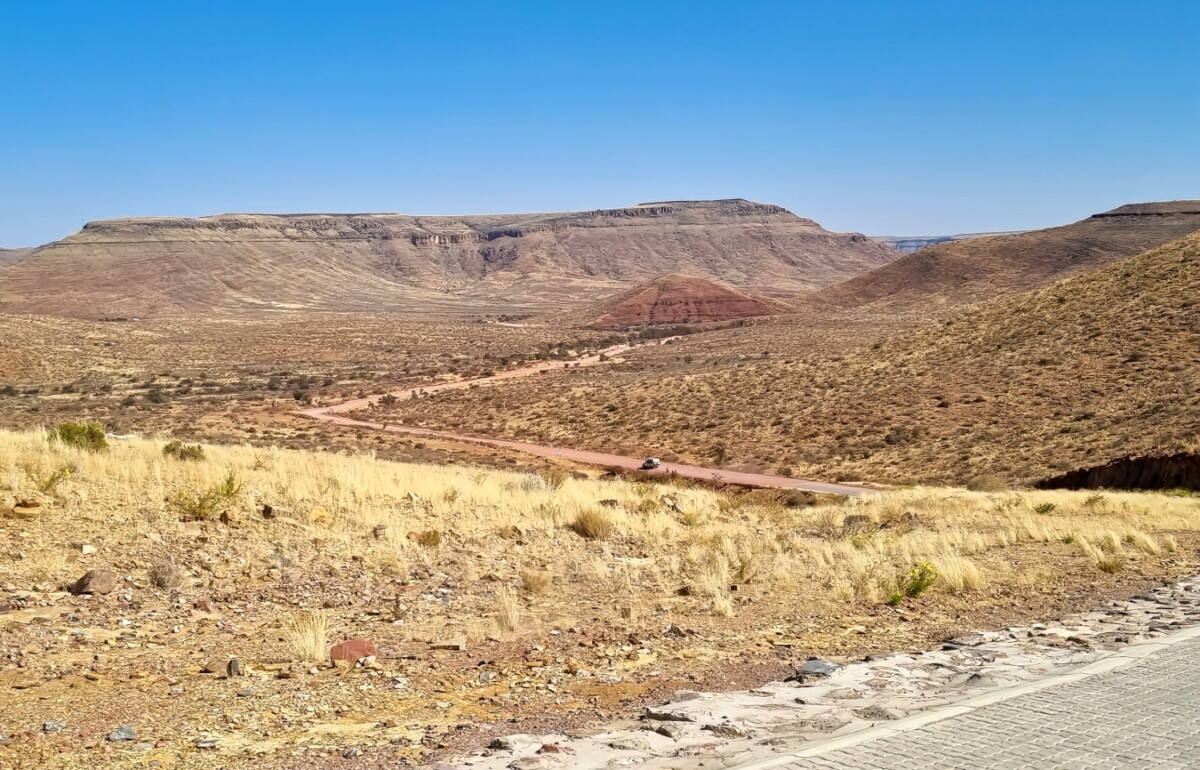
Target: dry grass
column 307, row 634
column 508, row 610
column 638, row 552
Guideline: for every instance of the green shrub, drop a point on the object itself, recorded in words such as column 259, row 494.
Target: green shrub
column 198, row 506
column 181, row 451
column 1045, row 507
column 229, row 487
column 916, row 582
column 88, row 436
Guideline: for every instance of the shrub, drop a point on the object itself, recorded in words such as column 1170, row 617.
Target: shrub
column 88, row 436
column 916, row 582
column 554, row 477
column 1045, row 508
column 592, row 524
column 164, row 574
column 429, row 538
column 229, row 487
column 47, row 484
column 181, row 451
column 536, row 581
column 197, row 506
column 987, row 482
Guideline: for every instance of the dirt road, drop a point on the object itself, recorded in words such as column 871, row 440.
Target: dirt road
column 335, row 414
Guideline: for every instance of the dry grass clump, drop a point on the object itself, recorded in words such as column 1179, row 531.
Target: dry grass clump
column 427, row 538
column 307, row 632
column 508, row 610
column 164, row 573
column 592, row 524
column 537, row 582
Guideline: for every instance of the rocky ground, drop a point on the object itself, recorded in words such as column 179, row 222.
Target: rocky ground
column 823, row 699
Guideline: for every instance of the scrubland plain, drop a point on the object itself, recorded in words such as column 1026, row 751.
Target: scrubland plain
column 490, row 596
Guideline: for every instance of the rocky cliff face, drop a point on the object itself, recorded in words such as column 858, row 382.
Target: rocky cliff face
column 238, row 262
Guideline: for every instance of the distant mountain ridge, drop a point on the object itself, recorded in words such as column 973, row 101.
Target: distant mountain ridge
column 977, row 269
column 235, row 263
column 906, row 244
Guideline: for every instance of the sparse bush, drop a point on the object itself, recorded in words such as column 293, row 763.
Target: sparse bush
column 555, row 477
column 307, row 632
column 987, row 482
column 1045, row 508
column 229, row 487
column 592, row 524
column 428, row 538
column 47, row 484
column 88, row 436
column 193, row 505
column 536, row 581
column 165, row 574
column 916, row 582
column 181, row 451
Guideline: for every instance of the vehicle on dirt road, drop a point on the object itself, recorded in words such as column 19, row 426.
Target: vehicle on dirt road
column 650, row 464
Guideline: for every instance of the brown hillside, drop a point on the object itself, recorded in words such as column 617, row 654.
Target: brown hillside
column 13, row 256
column 674, row 299
column 256, row 262
column 1098, row 366
column 979, row 269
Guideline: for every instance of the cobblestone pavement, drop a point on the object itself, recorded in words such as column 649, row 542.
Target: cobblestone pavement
column 1141, row 717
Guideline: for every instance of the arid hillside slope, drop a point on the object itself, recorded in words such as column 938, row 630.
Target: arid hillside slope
column 509, row 263
column 980, row 269
column 1093, row 367
column 673, row 299
column 13, row 256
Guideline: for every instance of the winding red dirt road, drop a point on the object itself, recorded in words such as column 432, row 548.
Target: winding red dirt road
column 335, row 414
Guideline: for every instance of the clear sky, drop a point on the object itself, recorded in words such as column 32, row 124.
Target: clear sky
column 886, row 117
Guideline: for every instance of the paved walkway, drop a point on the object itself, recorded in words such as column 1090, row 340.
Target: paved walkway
column 1142, row 716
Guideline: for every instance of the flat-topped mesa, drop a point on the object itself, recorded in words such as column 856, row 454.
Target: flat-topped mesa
column 1152, row 209
column 158, row 266
column 427, row 230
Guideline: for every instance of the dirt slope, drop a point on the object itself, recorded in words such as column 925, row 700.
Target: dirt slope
column 673, row 299
column 1094, row 367
column 256, row 262
column 13, row 256
column 979, row 269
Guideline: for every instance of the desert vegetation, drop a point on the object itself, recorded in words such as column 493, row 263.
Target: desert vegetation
column 454, row 571
column 1075, row 374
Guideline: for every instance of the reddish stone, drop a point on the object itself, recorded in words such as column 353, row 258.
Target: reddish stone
column 352, row 650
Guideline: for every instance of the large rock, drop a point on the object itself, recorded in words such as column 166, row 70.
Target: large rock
column 96, row 581
column 352, row 650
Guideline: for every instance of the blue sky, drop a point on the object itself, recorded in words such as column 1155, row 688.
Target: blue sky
column 890, row 117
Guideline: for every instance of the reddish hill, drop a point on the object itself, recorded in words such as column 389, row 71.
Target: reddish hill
column 675, row 299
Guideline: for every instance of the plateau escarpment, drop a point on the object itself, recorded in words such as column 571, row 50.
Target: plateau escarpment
column 244, row 262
